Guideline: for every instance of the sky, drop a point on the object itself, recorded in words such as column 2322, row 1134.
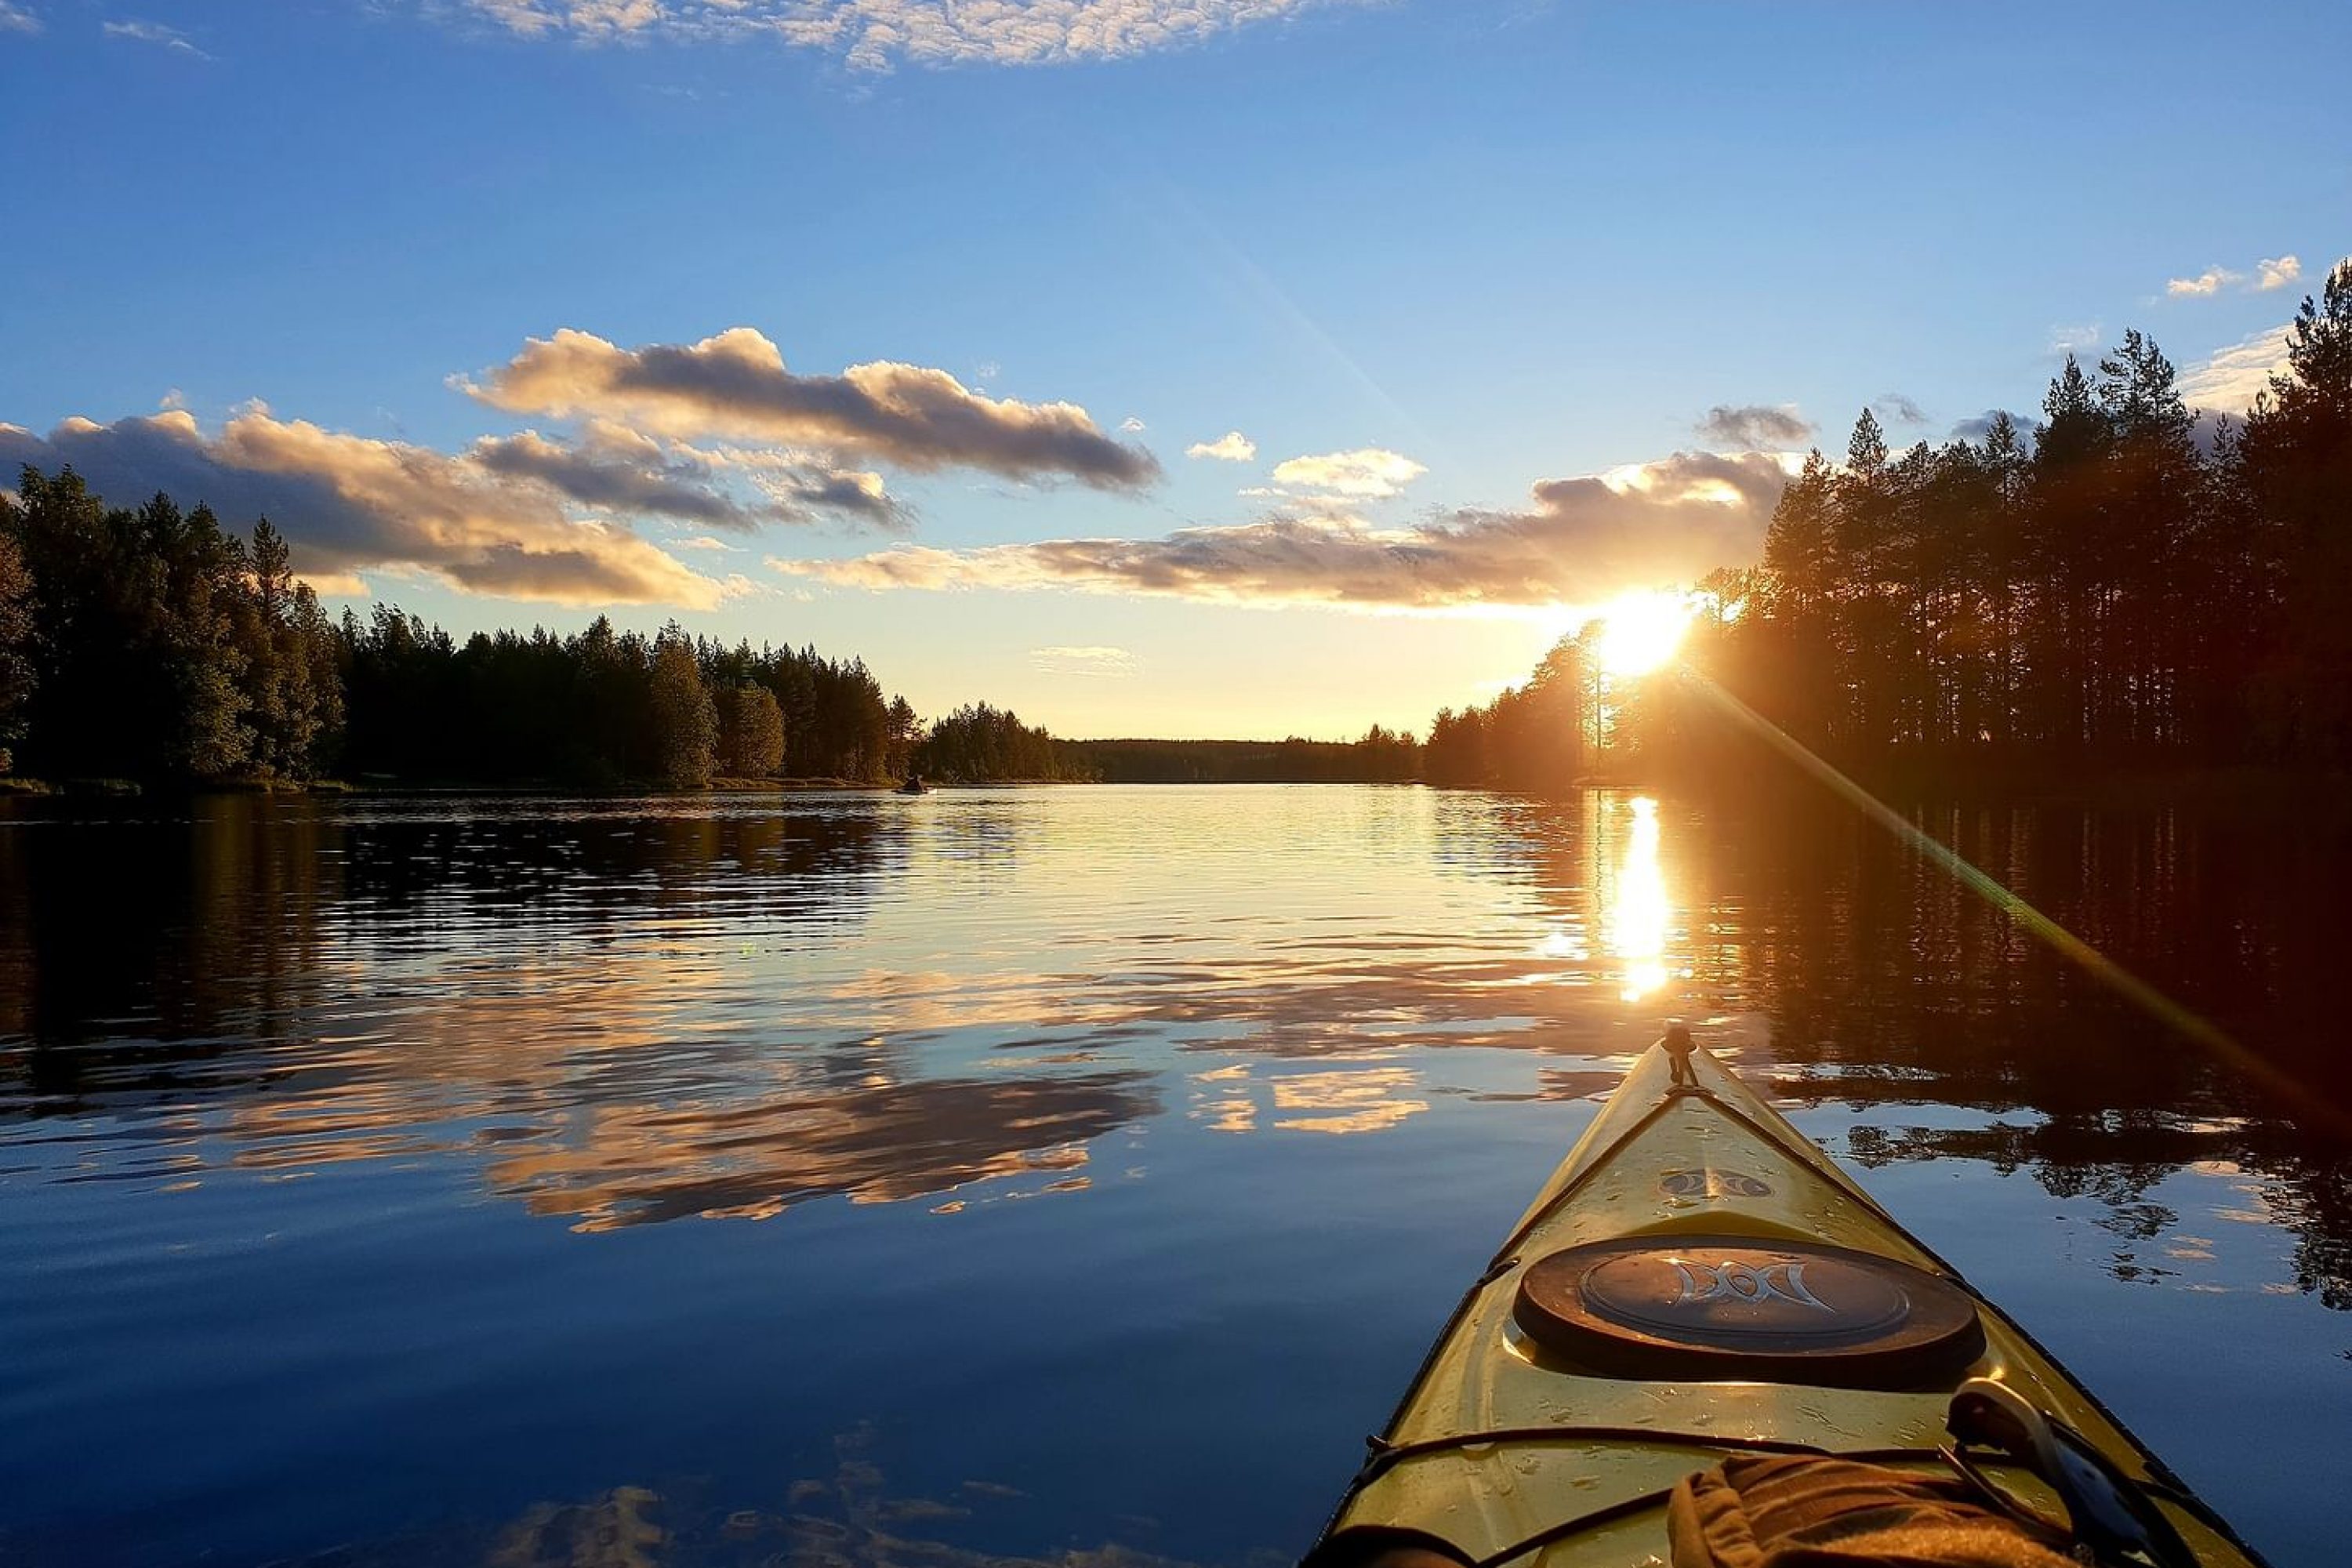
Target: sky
column 1152, row 367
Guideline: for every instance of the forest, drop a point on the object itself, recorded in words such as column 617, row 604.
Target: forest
column 153, row 646
column 2124, row 588
column 1380, row 756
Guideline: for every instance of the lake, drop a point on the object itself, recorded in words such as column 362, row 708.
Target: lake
column 1058, row 1175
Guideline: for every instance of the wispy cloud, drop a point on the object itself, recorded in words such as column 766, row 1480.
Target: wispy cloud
column 2269, row 273
column 1895, row 408
column 2075, row 340
column 591, row 19
column 737, row 384
column 155, row 33
column 1232, row 447
column 881, row 35
column 1085, row 661
column 2277, row 273
column 1131, row 425
column 1578, row 539
column 1367, row 473
column 347, row 504
column 15, row 18
column 1753, row 427
column 2230, row 377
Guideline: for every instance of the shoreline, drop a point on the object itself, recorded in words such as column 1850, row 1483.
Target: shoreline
column 2194, row 787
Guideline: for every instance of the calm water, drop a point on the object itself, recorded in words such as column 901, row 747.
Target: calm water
column 1014, row 1175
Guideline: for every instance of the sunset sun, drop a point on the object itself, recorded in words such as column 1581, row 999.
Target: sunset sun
column 1641, row 630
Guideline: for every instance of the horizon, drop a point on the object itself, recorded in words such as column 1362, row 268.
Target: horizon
column 1203, row 397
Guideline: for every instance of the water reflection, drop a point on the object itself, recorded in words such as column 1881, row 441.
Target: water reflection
column 578, row 999
column 619, row 1014
column 1638, row 913
column 850, row 1517
column 418, row 1038
column 1352, row 1099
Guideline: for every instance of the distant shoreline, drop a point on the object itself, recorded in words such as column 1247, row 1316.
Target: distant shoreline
column 2205, row 787
column 132, row 789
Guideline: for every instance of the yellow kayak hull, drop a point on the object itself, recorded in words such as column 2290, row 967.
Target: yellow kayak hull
column 1691, row 1152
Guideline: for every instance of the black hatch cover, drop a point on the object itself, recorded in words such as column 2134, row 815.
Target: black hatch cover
column 1731, row 1307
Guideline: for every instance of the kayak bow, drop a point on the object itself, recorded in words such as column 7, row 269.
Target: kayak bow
column 1696, row 1281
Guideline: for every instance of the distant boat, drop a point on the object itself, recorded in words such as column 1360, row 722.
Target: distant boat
column 914, row 786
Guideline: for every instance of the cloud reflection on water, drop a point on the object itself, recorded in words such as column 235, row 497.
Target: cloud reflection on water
column 621, row 1013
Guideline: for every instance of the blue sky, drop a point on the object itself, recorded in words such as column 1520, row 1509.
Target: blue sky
column 1471, row 248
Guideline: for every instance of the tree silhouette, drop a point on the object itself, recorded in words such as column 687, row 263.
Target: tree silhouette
column 2122, row 587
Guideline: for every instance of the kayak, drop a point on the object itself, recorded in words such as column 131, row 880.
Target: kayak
column 1695, row 1283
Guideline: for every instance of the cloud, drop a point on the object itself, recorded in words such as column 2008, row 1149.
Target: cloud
column 1131, row 425
column 15, row 18
column 1579, row 541
column 1978, row 426
column 1750, row 427
column 598, row 476
column 799, row 491
column 621, row 471
column 2229, row 379
column 880, row 35
column 736, row 384
column 1086, row 661
column 2210, row 282
column 1894, row 409
column 1232, row 447
column 2077, row 340
column 597, row 20
column 1368, row 473
column 349, row 504
column 2271, row 274
column 155, row 33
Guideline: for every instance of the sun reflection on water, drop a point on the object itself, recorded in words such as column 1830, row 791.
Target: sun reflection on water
column 1638, row 913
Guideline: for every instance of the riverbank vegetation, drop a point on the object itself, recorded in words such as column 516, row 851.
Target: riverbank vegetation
column 154, row 645
column 1381, row 756
column 2126, row 588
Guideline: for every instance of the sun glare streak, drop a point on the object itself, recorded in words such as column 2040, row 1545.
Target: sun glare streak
column 1641, row 630
column 1984, row 885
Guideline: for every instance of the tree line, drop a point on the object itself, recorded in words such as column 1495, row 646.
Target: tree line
column 1381, row 756
column 153, row 644
column 1529, row 737
column 2122, row 586
column 977, row 744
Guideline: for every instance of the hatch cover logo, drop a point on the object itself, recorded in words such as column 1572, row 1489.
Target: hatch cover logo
column 1732, row 1280
column 1711, row 1183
